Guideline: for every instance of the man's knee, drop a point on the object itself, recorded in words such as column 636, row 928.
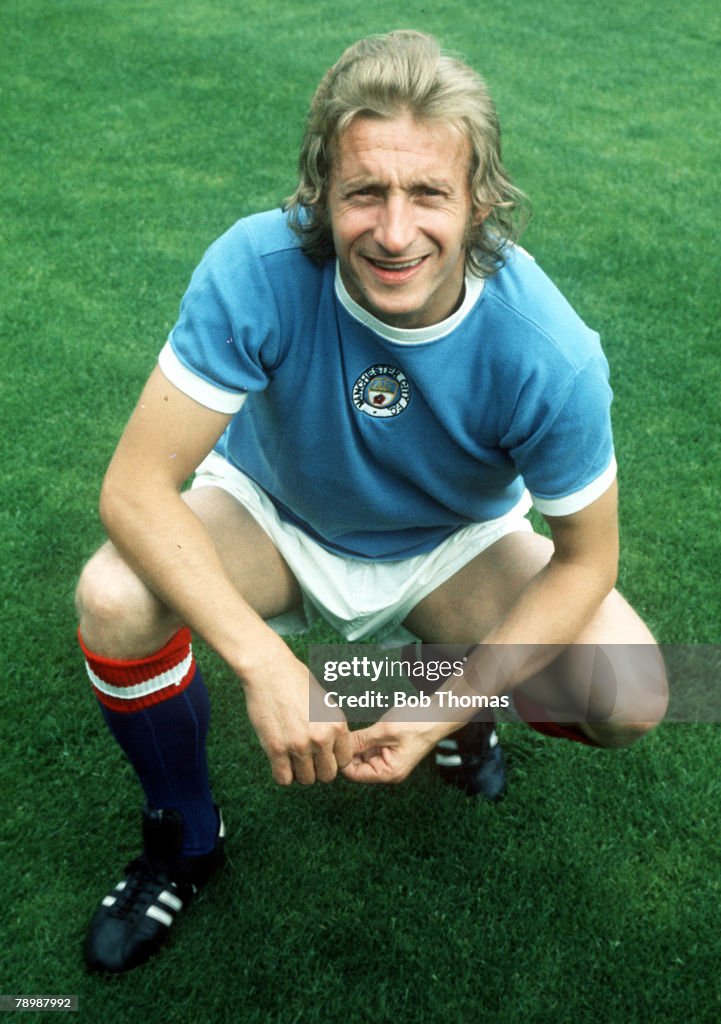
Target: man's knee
column 613, row 735
column 119, row 617
column 643, row 707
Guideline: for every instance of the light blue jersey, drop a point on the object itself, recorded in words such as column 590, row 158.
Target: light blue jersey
column 380, row 442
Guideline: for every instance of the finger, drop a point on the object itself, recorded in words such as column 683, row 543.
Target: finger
column 354, row 771
column 366, row 739
column 362, row 771
column 370, row 766
column 343, row 749
column 303, row 768
column 326, row 766
column 282, row 770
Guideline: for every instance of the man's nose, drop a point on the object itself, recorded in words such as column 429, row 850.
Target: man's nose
column 395, row 230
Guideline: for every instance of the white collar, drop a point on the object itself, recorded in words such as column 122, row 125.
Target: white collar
column 417, row 335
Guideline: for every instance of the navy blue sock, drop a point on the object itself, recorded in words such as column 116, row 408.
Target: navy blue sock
column 158, row 710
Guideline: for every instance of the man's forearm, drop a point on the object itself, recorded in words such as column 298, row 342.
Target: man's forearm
column 169, row 548
column 549, row 615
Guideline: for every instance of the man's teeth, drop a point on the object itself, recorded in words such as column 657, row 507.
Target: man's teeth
column 397, row 266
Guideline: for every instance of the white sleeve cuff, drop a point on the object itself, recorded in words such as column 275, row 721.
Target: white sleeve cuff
column 575, row 502
column 209, row 395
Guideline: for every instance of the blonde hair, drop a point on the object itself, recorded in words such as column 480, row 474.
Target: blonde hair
column 383, row 76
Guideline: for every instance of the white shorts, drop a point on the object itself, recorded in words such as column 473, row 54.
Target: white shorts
column 360, row 599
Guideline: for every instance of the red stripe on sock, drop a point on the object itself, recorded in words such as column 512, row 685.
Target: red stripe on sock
column 536, row 717
column 121, row 674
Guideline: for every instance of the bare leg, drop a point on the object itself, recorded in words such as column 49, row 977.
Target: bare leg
column 121, row 618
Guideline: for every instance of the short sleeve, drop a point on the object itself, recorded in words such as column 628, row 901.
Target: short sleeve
column 224, row 340
column 564, row 446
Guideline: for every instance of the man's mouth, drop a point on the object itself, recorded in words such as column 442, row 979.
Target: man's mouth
column 395, row 270
column 394, row 264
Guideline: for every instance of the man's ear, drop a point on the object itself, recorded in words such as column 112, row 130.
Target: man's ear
column 479, row 215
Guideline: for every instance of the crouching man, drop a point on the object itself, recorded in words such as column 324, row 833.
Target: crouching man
column 371, row 386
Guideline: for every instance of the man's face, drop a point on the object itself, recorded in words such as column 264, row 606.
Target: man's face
column 400, row 208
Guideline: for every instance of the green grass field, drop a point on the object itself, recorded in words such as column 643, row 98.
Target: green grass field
column 134, row 134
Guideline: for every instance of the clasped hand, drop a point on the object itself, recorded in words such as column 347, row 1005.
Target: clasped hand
column 307, row 751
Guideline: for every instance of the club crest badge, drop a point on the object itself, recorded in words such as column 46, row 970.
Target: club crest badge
column 382, row 391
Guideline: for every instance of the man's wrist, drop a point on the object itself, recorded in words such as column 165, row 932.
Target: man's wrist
column 258, row 655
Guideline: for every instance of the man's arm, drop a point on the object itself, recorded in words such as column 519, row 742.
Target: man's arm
column 169, row 548
column 550, row 613
column 561, row 600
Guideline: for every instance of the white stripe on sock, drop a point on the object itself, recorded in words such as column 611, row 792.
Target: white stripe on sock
column 173, row 677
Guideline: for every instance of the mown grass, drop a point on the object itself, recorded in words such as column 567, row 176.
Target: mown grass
column 133, row 135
